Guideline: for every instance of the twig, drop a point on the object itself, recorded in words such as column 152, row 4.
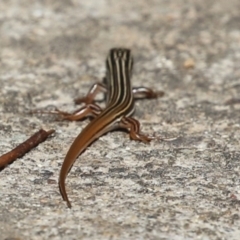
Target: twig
column 24, row 147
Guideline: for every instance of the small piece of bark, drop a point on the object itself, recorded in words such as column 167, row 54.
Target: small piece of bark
column 24, row 147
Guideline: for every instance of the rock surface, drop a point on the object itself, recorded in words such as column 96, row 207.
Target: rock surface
column 189, row 188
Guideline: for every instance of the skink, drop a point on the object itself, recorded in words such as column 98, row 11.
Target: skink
column 119, row 107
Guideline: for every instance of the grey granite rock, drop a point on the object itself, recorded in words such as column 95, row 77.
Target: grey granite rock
column 52, row 52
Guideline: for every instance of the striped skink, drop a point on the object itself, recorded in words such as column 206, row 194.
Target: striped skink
column 119, row 107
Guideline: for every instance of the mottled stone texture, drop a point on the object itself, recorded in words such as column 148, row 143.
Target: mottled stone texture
column 52, row 52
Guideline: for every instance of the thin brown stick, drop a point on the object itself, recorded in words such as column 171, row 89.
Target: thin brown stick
column 24, row 147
